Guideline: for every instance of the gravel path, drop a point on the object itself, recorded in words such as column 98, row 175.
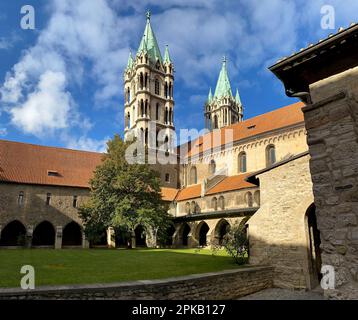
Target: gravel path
column 284, row 294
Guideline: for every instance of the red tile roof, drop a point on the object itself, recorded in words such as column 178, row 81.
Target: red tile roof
column 279, row 118
column 231, row 183
column 169, row 194
column 28, row 163
column 190, row 192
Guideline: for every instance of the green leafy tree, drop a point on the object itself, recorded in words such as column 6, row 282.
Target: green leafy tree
column 236, row 243
column 123, row 195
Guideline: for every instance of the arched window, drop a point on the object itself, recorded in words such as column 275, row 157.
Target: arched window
column 157, row 87
column 142, row 108
column 193, row 207
column 214, row 203
column 146, row 80
column 20, row 199
column 249, row 200
column 128, row 95
column 221, row 202
column 193, row 176
column 215, row 124
column 146, row 107
column 170, row 89
column 270, row 155
column 242, row 162
column 166, row 89
column 128, row 119
column 187, row 208
column 141, row 81
column 167, row 177
column 170, row 115
column 146, row 136
column 157, row 112
column 212, row 167
column 166, row 116
column 141, row 134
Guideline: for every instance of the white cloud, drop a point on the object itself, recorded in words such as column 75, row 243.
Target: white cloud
column 47, row 108
column 88, row 144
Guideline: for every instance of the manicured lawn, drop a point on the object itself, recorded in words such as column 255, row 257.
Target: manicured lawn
column 102, row 266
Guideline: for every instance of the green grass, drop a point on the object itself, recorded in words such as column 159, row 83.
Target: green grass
column 54, row 267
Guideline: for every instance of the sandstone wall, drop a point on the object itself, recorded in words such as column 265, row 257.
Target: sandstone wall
column 277, row 231
column 332, row 126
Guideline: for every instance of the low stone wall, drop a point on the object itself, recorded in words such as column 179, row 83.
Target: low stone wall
column 229, row 284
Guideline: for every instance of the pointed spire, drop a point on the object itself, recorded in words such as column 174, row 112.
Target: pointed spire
column 223, row 87
column 237, row 97
column 149, row 43
column 210, row 96
column 130, row 61
column 166, row 55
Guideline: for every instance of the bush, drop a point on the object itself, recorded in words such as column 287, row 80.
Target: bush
column 236, row 244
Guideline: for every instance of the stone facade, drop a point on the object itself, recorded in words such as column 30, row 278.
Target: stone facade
column 278, row 231
column 33, row 210
column 332, row 126
column 230, row 284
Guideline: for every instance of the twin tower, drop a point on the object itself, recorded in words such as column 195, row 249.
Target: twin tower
column 148, row 91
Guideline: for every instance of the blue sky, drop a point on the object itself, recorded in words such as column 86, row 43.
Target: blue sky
column 61, row 84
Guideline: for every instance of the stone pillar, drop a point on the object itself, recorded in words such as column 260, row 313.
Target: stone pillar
column 58, row 238
column 85, row 242
column 332, row 130
column 29, row 232
column 111, row 239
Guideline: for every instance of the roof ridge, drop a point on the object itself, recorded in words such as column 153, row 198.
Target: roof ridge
column 51, row 147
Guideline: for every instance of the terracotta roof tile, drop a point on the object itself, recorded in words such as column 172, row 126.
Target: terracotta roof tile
column 28, row 163
column 231, row 183
column 190, row 192
column 169, row 194
column 276, row 119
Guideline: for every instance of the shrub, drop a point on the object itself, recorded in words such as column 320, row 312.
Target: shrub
column 236, row 244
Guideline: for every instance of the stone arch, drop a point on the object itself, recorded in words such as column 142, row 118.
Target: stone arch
column 270, row 155
column 72, row 234
column 221, row 202
column 13, row 234
column 44, row 234
column 201, row 233
column 170, row 234
column 214, row 203
column 212, row 167
column 140, row 236
column 221, row 229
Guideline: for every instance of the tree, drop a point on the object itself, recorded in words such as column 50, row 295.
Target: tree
column 236, row 243
column 123, row 195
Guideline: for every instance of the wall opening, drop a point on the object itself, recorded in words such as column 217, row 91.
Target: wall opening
column 140, row 238
column 13, row 234
column 44, row 234
column 203, row 231
column 314, row 239
column 72, row 235
column 186, row 231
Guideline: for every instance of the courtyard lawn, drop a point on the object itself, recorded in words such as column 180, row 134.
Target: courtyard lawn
column 79, row 266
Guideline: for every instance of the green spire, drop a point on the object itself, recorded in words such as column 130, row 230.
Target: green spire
column 130, row 61
column 223, row 87
column 166, row 55
column 210, row 96
column 149, row 43
column 237, row 97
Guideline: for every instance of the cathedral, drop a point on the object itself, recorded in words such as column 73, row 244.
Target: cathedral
column 253, row 170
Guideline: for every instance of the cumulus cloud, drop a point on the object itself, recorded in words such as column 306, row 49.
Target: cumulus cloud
column 45, row 109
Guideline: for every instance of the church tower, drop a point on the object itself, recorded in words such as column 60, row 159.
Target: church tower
column 222, row 109
column 148, row 91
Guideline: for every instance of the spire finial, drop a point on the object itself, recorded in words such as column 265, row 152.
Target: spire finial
column 224, row 59
column 148, row 15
